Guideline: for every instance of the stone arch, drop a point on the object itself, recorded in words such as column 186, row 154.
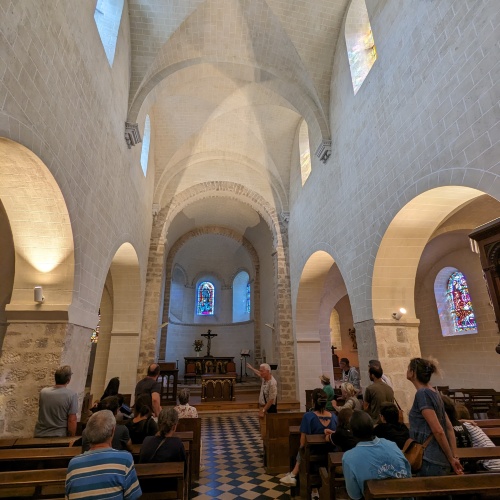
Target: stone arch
column 126, row 304
column 218, row 188
column 41, row 231
column 313, row 344
column 393, row 283
column 221, row 231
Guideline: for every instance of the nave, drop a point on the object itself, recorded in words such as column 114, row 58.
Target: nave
column 232, row 449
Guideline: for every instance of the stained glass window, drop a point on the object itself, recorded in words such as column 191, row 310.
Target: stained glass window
column 460, row 304
column 205, row 299
column 248, row 298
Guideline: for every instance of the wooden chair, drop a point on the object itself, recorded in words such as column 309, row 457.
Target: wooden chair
column 190, row 372
column 231, row 368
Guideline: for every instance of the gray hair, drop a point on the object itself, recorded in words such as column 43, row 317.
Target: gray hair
column 100, row 427
column 166, row 420
column 266, row 367
column 183, row 396
column 62, row 375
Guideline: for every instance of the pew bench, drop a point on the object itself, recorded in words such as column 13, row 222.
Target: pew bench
column 468, row 484
column 30, row 483
column 276, row 440
column 193, row 425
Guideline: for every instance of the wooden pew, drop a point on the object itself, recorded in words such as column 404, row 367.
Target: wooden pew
column 493, row 433
column 193, row 425
column 276, row 440
column 488, row 422
column 315, row 456
column 47, row 442
column 7, row 442
column 468, row 484
column 16, row 459
column 30, row 483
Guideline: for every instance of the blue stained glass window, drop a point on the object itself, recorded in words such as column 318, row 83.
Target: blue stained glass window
column 205, row 299
column 460, row 304
column 248, row 298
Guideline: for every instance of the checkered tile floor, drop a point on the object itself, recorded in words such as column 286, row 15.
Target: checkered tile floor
column 232, row 449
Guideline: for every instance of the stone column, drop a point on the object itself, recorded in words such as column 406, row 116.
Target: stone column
column 31, row 353
column 393, row 343
column 283, row 344
column 149, row 339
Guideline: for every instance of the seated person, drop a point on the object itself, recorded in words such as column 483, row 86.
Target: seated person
column 183, row 409
column 349, row 395
column 478, row 437
column 342, row 438
column 350, row 374
column 389, row 426
column 325, row 382
column 121, row 438
column 164, row 447
column 143, row 423
column 313, row 422
column 102, row 472
column 462, row 435
column 371, row 458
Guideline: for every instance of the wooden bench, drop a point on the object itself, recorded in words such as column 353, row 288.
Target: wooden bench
column 47, row 442
column 330, row 480
column 30, row 483
column 432, row 486
column 488, row 422
column 276, row 440
column 16, row 459
column 193, row 425
column 315, row 456
column 478, row 401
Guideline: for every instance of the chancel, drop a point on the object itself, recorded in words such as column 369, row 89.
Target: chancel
column 209, row 336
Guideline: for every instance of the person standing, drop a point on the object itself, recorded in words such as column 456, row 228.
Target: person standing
column 376, row 364
column 377, row 393
column 429, row 422
column 268, row 398
column 57, row 407
column 149, row 385
column 330, row 394
column 350, row 374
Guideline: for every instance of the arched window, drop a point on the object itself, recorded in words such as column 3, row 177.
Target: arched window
column 241, row 297
column 460, row 304
column 455, row 310
column 335, row 334
column 305, row 152
column 361, row 49
column 107, row 16
column 205, row 299
column 146, row 138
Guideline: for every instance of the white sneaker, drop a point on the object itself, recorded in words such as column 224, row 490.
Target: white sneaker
column 314, row 495
column 288, row 480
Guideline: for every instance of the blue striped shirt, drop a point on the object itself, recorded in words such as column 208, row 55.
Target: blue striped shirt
column 104, row 474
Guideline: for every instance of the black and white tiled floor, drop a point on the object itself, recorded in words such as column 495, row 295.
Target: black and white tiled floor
column 232, row 449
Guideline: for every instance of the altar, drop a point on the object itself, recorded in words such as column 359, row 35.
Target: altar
column 218, row 387
column 210, row 364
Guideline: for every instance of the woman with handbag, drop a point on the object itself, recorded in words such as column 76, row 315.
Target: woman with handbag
column 164, row 447
column 429, row 424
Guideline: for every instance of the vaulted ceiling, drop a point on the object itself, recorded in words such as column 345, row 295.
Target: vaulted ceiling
column 227, row 84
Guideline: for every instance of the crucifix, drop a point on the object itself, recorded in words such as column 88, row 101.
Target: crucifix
column 209, row 336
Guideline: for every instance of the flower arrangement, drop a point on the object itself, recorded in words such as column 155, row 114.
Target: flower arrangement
column 198, row 345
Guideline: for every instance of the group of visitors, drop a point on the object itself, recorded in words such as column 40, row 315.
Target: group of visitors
column 108, row 437
column 371, row 434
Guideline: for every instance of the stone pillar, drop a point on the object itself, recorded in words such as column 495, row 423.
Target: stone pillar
column 283, row 344
column 393, row 343
column 149, row 345
column 31, row 353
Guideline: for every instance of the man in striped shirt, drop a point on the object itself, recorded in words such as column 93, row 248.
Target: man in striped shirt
column 102, row 472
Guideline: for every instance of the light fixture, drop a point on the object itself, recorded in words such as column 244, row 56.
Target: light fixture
column 38, row 294
column 398, row 315
column 269, row 326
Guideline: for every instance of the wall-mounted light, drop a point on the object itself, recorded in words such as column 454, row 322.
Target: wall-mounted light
column 398, row 315
column 38, row 294
column 269, row 326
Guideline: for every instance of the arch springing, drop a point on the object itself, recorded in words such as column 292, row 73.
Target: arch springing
column 205, row 299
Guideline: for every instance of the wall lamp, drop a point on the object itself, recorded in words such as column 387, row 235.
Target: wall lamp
column 398, row 315
column 38, row 294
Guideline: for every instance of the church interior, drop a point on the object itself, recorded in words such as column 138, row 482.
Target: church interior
column 289, row 175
